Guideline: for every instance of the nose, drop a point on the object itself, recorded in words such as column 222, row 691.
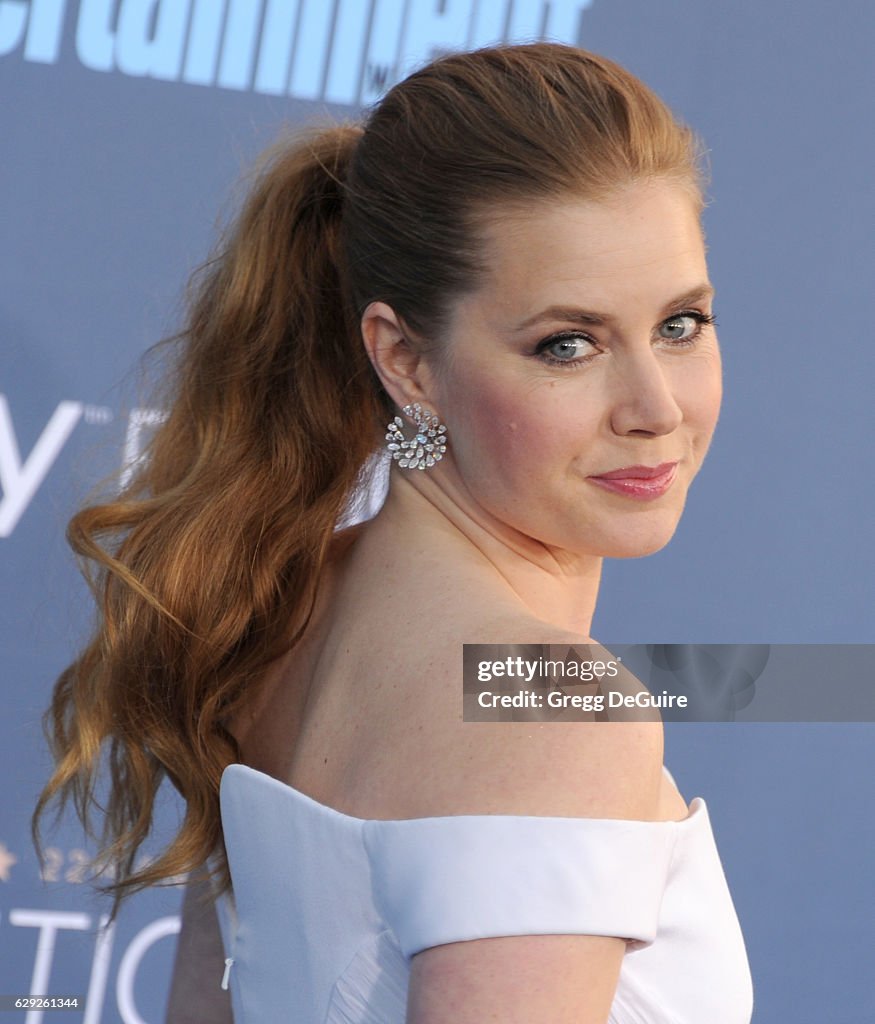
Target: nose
column 643, row 399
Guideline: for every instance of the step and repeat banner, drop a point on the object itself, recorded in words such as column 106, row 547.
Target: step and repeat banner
column 125, row 128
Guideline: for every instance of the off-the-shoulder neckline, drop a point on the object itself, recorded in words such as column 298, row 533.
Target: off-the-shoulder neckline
column 696, row 807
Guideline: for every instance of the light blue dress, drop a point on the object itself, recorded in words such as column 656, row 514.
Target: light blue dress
column 328, row 909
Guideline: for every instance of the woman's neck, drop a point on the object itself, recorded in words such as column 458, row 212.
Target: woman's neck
column 553, row 585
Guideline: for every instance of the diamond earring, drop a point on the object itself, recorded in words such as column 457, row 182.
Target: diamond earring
column 427, row 446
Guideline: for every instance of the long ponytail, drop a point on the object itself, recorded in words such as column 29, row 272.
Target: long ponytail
column 207, row 563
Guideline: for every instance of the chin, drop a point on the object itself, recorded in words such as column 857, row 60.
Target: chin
column 635, row 544
column 635, row 550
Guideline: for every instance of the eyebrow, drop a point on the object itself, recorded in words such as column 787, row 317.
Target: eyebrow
column 589, row 316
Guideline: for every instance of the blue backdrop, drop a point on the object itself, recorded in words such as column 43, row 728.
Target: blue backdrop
column 123, row 127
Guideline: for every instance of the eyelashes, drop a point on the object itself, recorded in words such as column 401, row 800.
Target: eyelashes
column 702, row 321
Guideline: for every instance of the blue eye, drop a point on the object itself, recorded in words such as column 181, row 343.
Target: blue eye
column 564, row 348
column 679, row 327
column 685, row 326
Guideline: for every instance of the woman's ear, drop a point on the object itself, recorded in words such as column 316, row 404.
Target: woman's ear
column 398, row 361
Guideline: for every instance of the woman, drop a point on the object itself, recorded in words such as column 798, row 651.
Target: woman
column 507, row 261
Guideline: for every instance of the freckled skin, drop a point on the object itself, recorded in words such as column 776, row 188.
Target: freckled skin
column 525, row 435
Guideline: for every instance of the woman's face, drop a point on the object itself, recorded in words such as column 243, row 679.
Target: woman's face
column 585, row 351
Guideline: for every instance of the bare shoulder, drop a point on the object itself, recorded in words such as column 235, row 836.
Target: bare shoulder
column 588, row 769
column 597, row 768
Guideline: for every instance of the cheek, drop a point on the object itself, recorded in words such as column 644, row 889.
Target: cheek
column 512, row 436
column 497, row 427
column 710, row 396
column 702, row 397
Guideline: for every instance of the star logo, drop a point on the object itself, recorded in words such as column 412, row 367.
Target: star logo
column 7, row 859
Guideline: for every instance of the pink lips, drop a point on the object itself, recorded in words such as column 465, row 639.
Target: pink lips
column 641, row 482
